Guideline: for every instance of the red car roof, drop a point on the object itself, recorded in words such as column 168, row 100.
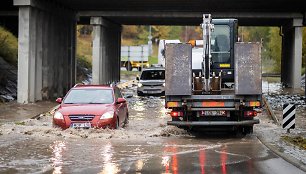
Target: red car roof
column 92, row 87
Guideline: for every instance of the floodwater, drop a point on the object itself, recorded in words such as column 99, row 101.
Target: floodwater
column 146, row 145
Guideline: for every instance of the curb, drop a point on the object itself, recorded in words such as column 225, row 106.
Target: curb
column 51, row 110
column 270, row 111
column 297, row 163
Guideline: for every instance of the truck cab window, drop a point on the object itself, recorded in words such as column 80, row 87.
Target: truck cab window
column 220, row 44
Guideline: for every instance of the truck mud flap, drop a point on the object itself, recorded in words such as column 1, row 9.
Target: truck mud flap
column 214, row 123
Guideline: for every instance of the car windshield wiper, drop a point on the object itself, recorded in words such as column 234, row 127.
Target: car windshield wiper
column 95, row 103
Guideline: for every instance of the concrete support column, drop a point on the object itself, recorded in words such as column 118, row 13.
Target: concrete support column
column 46, row 50
column 97, row 68
column 292, row 54
column 106, row 45
column 39, row 55
column 72, row 50
column 26, row 55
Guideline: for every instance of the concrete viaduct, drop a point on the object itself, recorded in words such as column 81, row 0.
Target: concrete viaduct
column 47, row 34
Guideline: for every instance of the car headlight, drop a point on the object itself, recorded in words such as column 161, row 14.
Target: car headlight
column 58, row 115
column 107, row 115
column 139, row 85
column 164, row 84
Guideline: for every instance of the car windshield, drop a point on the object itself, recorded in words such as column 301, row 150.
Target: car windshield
column 89, row 96
column 153, row 75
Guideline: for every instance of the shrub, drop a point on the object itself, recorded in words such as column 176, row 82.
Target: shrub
column 8, row 46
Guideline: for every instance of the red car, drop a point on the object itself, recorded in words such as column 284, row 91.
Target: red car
column 91, row 106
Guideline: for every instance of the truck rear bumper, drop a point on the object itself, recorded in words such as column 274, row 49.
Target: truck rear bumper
column 214, row 123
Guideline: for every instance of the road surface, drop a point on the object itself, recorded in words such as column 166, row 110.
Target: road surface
column 146, row 145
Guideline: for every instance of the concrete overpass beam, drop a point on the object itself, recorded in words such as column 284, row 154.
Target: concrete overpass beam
column 105, row 51
column 292, row 54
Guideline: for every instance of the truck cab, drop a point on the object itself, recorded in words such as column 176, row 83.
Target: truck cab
column 223, row 39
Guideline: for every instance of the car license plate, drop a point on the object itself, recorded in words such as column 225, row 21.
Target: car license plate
column 80, row 125
column 151, row 92
column 213, row 113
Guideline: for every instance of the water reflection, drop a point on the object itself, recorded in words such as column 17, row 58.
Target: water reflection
column 170, row 159
column 201, row 160
column 223, row 159
column 109, row 167
column 147, row 106
column 57, row 160
column 139, row 165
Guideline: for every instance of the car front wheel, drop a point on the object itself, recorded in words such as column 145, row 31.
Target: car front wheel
column 126, row 121
column 117, row 123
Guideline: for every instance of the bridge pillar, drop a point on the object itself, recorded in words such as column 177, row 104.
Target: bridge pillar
column 292, row 54
column 106, row 51
column 46, row 50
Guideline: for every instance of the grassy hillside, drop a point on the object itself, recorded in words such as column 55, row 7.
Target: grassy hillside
column 8, row 46
column 84, row 47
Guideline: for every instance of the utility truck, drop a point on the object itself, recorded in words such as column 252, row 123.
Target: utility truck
column 221, row 89
column 135, row 57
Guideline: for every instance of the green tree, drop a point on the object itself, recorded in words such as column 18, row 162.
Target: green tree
column 304, row 47
column 8, row 46
column 274, row 48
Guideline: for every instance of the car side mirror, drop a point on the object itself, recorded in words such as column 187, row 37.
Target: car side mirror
column 59, row 100
column 137, row 78
column 121, row 100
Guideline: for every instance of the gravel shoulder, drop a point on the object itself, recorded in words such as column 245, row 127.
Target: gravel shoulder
column 270, row 133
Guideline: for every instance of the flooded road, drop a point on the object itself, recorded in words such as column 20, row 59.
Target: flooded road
column 146, row 145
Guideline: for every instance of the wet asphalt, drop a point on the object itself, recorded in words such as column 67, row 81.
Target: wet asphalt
column 146, row 145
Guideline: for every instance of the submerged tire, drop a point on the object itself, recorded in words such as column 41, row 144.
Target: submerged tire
column 126, row 121
column 129, row 66
column 117, row 123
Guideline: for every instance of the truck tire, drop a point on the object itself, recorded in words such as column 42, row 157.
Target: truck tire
column 248, row 129
column 239, row 132
column 128, row 66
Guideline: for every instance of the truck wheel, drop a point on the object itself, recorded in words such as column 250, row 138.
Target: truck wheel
column 128, row 66
column 248, row 129
column 239, row 132
column 175, row 119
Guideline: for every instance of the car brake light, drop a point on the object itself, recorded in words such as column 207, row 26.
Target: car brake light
column 176, row 114
column 250, row 113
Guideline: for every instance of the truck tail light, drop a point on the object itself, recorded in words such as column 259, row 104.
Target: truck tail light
column 250, row 113
column 176, row 114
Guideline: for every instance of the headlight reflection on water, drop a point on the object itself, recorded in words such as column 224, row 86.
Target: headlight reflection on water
column 57, row 159
column 109, row 167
